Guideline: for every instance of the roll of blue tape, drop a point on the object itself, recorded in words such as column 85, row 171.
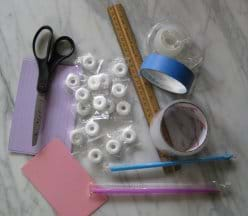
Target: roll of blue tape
column 167, row 73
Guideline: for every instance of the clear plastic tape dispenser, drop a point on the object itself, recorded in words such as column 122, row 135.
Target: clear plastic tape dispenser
column 173, row 57
column 170, row 38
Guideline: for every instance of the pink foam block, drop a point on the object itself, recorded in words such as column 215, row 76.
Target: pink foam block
column 62, row 181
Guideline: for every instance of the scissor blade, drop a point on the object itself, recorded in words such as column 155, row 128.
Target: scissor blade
column 39, row 109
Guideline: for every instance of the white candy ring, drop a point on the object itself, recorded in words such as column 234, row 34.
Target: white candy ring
column 76, row 136
column 72, row 81
column 92, row 128
column 89, row 62
column 120, row 69
column 94, row 82
column 99, row 102
column 83, row 109
column 113, row 147
column 119, row 90
column 95, row 156
column 123, row 108
column 82, row 94
column 128, row 136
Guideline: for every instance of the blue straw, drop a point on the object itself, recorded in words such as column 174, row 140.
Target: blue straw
column 123, row 167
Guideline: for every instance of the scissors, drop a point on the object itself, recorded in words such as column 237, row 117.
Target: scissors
column 48, row 54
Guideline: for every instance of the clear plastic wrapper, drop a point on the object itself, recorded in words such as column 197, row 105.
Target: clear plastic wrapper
column 113, row 143
column 120, row 100
column 95, row 156
column 77, row 136
column 94, row 106
column 99, row 82
column 74, row 81
column 110, row 107
column 123, row 108
column 102, row 106
column 92, row 128
column 118, row 69
column 82, row 95
column 94, row 82
column 99, row 102
column 113, row 147
column 84, row 110
column 126, row 134
column 119, row 90
column 170, row 38
column 160, row 189
column 79, row 140
column 172, row 163
column 119, row 110
column 106, row 80
column 89, row 63
column 101, row 92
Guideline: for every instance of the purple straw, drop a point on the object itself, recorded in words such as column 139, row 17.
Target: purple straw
column 153, row 190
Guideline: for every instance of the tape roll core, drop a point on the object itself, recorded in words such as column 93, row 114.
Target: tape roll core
column 188, row 124
column 167, row 73
column 168, row 41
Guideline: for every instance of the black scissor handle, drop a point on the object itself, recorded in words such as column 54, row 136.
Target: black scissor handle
column 49, row 55
column 63, row 48
column 42, row 44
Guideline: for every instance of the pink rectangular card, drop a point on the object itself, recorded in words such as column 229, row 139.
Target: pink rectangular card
column 62, row 181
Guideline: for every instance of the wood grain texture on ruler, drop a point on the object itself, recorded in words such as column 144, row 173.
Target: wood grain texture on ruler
column 127, row 42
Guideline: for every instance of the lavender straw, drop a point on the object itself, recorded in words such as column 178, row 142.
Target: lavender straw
column 153, row 190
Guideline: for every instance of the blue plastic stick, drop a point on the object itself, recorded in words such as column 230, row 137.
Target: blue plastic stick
column 123, row 167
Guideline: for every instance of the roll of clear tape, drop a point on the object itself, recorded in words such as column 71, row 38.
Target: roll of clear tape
column 169, row 40
column 195, row 136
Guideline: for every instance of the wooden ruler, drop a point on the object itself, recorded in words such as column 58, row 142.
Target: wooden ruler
column 127, row 42
column 131, row 52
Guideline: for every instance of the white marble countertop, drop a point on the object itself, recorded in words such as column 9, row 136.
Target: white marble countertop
column 219, row 25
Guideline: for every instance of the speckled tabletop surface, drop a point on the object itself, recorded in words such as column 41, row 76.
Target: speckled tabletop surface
column 220, row 25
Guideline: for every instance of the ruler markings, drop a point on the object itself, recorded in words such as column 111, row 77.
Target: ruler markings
column 127, row 42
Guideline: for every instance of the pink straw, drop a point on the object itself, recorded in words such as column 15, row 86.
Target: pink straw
column 161, row 190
